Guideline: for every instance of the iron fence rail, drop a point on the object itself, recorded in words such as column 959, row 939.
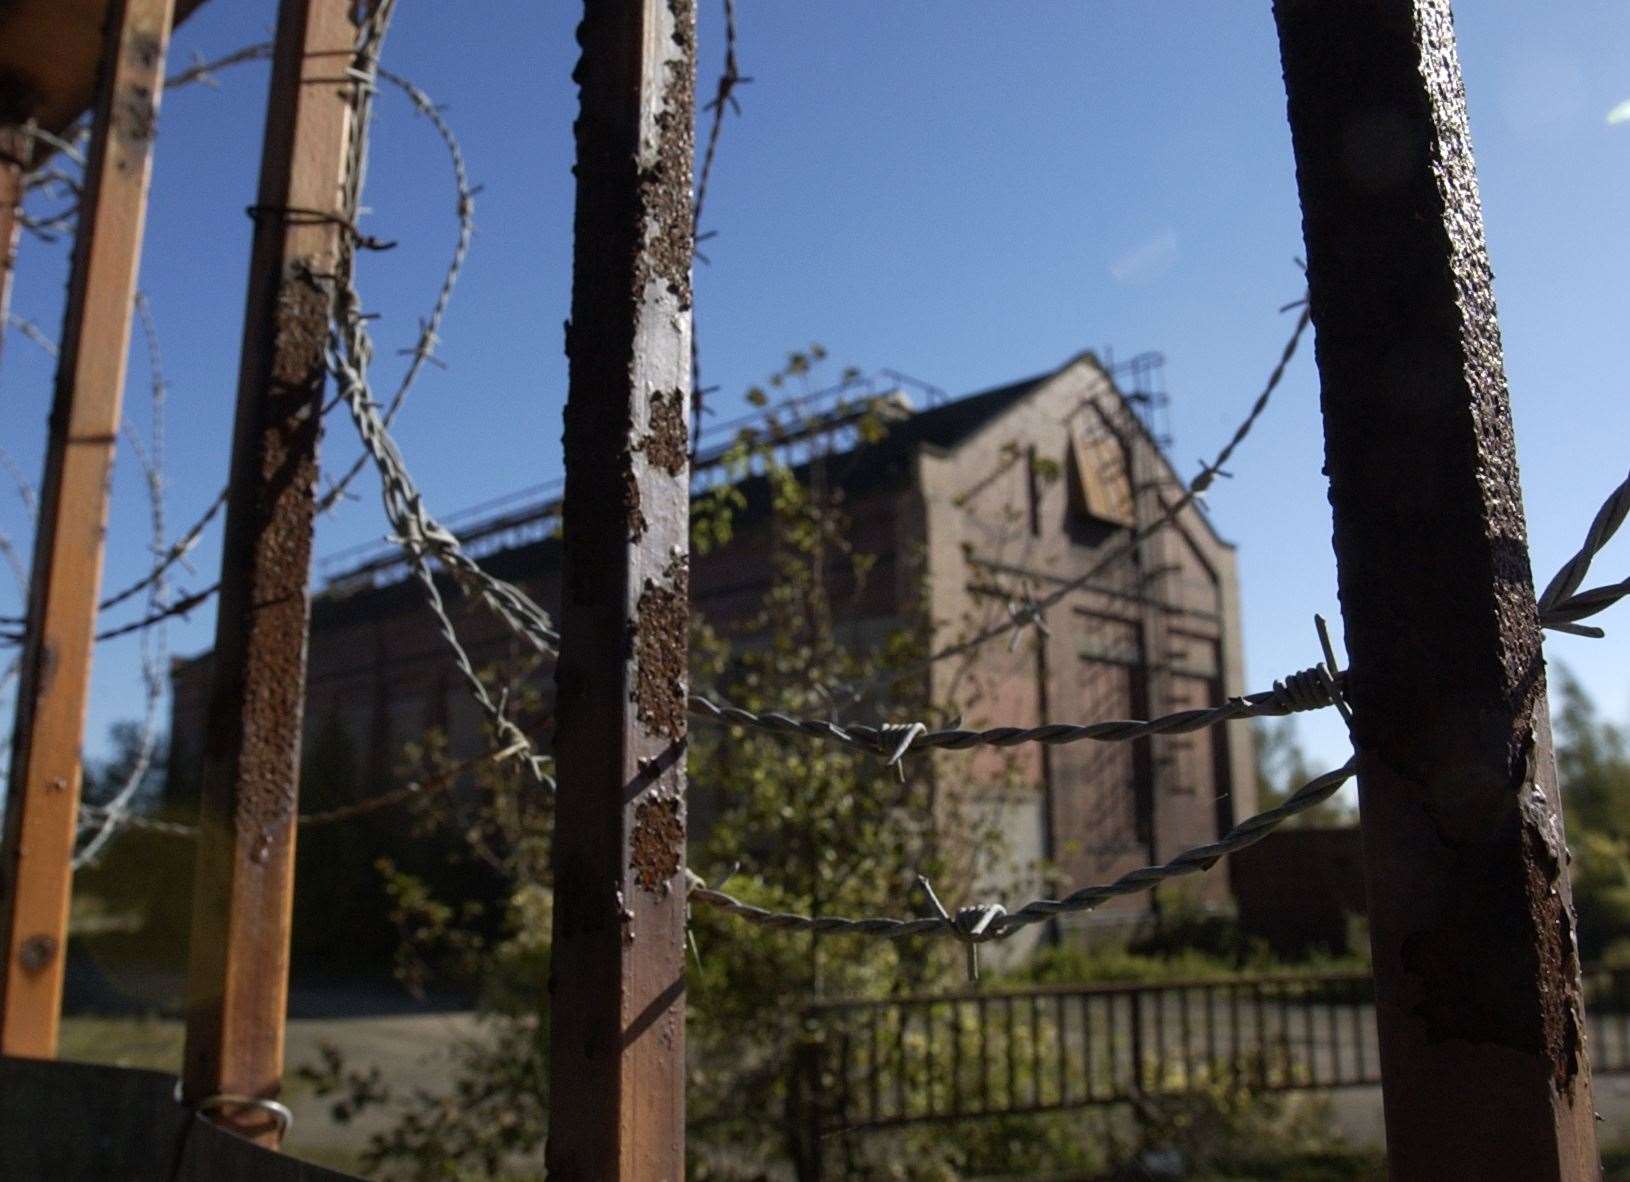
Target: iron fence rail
column 875, row 1064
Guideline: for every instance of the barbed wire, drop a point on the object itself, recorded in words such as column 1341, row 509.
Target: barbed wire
column 176, row 607
column 154, row 647
column 33, row 332
column 168, row 557
column 171, row 555
column 203, row 70
column 1034, row 607
column 429, row 328
column 1307, row 689
column 50, row 227
column 985, row 922
column 419, row 534
column 413, row 790
column 14, row 560
column 724, row 100
column 67, row 144
column 1562, row 605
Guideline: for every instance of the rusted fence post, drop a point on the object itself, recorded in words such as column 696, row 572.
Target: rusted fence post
column 239, row 950
column 617, row 1057
column 42, row 806
column 1477, row 979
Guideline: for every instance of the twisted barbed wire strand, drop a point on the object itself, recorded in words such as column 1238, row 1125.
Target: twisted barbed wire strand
column 154, row 642
column 1562, row 604
column 430, row 327
column 419, row 534
column 991, row 922
column 1308, row 689
column 1207, row 476
column 413, row 790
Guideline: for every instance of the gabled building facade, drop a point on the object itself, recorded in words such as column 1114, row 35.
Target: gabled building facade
column 971, row 508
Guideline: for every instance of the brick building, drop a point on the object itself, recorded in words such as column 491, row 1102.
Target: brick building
column 972, row 502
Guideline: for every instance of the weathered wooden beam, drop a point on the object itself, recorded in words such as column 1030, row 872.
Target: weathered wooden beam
column 1479, row 1003
column 237, row 988
column 617, row 1056
column 42, row 806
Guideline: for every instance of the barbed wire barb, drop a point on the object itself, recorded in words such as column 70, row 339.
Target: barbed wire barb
column 416, row 531
column 1562, row 605
column 1308, row 689
column 993, row 922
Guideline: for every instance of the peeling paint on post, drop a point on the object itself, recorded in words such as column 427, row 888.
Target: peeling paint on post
column 617, row 1054
column 42, row 807
column 1477, row 976
column 237, row 988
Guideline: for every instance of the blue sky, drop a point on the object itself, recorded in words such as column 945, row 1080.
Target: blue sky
column 965, row 192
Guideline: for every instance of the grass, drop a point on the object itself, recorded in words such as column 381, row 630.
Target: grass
column 153, row 1043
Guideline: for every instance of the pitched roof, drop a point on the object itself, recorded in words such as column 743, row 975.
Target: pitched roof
column 950, row 423
column 862, row 469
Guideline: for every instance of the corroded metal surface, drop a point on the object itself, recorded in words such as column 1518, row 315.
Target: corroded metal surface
column 42, row 806
column 239, row 949
column 617, row 1046
column 1478, row 982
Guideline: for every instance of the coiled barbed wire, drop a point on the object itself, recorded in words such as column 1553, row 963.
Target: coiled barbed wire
column 424, row 349
column 420, row 535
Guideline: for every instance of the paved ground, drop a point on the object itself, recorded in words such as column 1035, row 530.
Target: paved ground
column 412, row 1049
column 409, row 1049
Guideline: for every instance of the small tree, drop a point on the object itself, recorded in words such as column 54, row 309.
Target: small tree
column 794, row 824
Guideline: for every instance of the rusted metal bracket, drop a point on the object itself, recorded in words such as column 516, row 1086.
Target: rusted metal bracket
column 239, row 949
column 1477, row 977
column 617, row 1019
column 42, row 806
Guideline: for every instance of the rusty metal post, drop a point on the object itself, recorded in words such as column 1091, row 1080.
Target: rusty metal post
column 1477, row 978
column 42, row 806
column 617, row 1029
column 237, row 987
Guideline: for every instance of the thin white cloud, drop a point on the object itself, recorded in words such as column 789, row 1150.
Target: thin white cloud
column 1620, row 113
column 1148, row 261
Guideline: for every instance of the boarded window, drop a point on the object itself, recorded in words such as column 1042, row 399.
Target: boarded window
column 1100, row 486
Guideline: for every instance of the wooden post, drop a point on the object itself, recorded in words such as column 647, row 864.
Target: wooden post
column 42, row 806
column 617, row 1058
column 237, row 988
column 1478, row 995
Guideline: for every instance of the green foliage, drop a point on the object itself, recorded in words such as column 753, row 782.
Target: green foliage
column 1225, row 1123
column 1593, row 768
column 801, row 826
column 1064, row 1144
column 806, row 827
column 1282, row 768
